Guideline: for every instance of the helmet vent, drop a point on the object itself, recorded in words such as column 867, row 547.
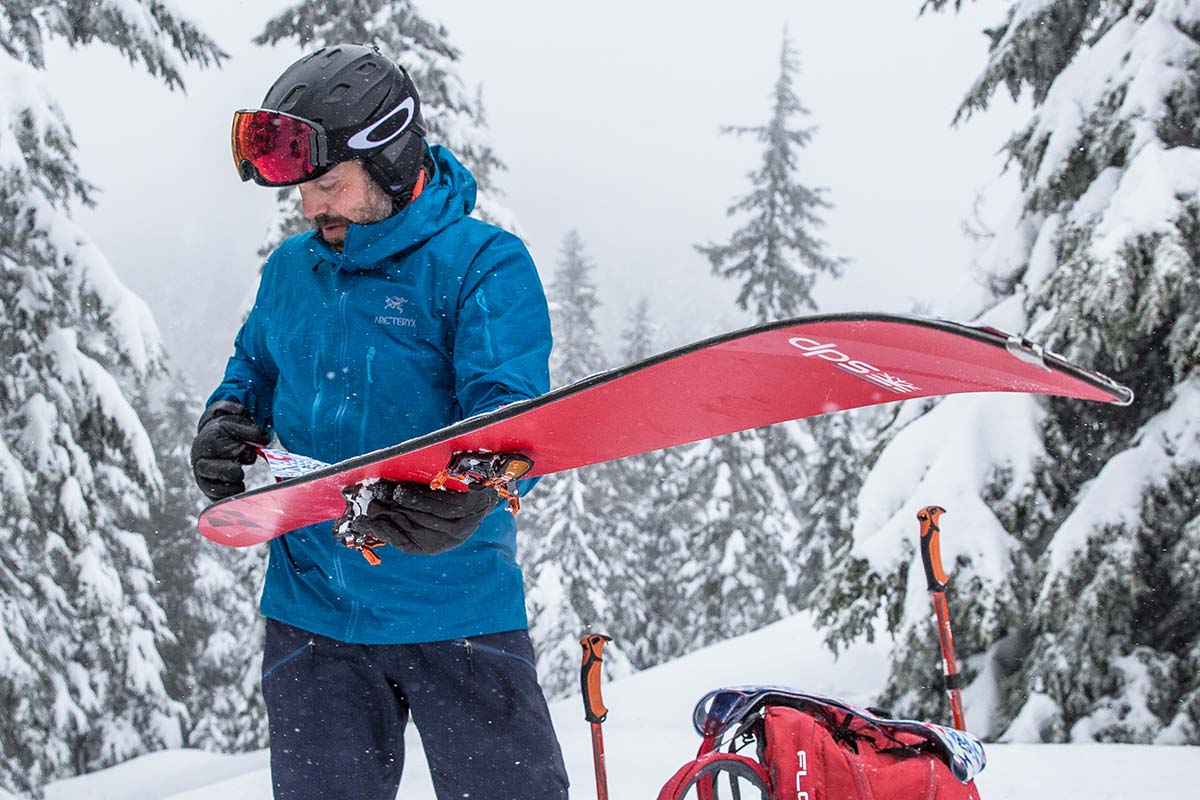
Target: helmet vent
column 366, row 67
column 292, row 97
column 337, row 93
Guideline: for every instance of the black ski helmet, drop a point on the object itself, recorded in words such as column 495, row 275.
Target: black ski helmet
column 367, row 105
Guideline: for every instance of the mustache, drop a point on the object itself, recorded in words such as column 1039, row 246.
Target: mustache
column 321, row 220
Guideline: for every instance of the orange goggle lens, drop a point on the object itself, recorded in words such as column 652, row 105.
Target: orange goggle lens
column 272, row 148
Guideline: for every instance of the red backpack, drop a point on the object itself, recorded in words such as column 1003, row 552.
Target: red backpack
column 809, row 747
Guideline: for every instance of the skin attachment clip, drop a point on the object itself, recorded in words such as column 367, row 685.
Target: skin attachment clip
column 1027, row 351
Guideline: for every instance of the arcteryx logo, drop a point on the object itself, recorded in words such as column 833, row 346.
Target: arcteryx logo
column 398, row 320
column 860, row 369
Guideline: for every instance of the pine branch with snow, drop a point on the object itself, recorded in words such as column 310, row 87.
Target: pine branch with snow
column 208, row 593
column 1067, row 626
column 83, row 675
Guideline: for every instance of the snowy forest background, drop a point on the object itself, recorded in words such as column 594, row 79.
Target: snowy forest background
column 1074, row 530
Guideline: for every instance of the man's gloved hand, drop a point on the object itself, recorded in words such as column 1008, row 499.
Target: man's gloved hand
column 411, row 516
column 224, row 442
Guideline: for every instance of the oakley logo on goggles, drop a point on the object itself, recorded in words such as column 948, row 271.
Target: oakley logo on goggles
column 277, row 149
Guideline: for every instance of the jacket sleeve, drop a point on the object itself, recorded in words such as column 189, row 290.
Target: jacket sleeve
column 502, row 338
column 250, row 373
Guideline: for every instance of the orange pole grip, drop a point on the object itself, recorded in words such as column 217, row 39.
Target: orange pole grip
column 594, row 709
column 931, row 548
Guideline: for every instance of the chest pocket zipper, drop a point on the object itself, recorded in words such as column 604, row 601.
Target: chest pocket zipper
column 318, row 381
column 366, row 402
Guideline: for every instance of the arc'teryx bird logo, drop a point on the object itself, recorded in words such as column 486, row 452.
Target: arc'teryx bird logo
column 399, row 320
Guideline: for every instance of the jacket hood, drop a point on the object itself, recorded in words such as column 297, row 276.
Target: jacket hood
column 448, row 197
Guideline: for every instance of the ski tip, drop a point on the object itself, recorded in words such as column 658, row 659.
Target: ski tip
column 1118, row 394
column 1124, row 395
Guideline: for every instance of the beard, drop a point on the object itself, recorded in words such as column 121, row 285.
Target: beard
column 376, row 206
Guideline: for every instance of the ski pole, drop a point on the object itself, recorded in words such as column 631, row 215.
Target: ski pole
column 937, row 581
column 594, row 710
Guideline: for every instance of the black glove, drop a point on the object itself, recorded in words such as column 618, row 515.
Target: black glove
column 411, row 516
column 224, row 441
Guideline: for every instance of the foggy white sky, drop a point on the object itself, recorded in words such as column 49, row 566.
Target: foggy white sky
column 608, row 117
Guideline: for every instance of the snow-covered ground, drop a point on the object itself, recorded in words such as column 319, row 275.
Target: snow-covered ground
column 648, row 735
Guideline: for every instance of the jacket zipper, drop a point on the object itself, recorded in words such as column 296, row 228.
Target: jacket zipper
column 339, row 416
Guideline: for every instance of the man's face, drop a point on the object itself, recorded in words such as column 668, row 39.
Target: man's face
column 343, row 195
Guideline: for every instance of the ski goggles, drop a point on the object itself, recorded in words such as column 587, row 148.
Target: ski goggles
column 277, row 149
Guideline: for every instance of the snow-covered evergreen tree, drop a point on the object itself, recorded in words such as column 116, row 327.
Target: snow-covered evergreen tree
column 1072, row 526
column 208, row 592
column 81, row 675
column 639, row 558
column 226, row 711
column 740, row 531
column 776, row 256
column 454, row 115
column 748, row 533
column 573, row 301
column 834, row 477
column 567, row 526
column 640, row 333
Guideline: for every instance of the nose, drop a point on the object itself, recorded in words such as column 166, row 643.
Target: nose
column 312, row 203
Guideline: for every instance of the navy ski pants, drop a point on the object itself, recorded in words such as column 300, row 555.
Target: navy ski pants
column 337, row 715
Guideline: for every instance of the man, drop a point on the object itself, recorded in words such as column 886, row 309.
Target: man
column 397, row 315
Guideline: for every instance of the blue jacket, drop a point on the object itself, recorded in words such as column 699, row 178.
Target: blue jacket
column 423, row 319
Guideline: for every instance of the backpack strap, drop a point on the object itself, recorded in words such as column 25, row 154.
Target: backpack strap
column 704, row 771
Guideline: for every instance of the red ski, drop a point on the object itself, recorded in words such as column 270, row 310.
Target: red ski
column 747, row 379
